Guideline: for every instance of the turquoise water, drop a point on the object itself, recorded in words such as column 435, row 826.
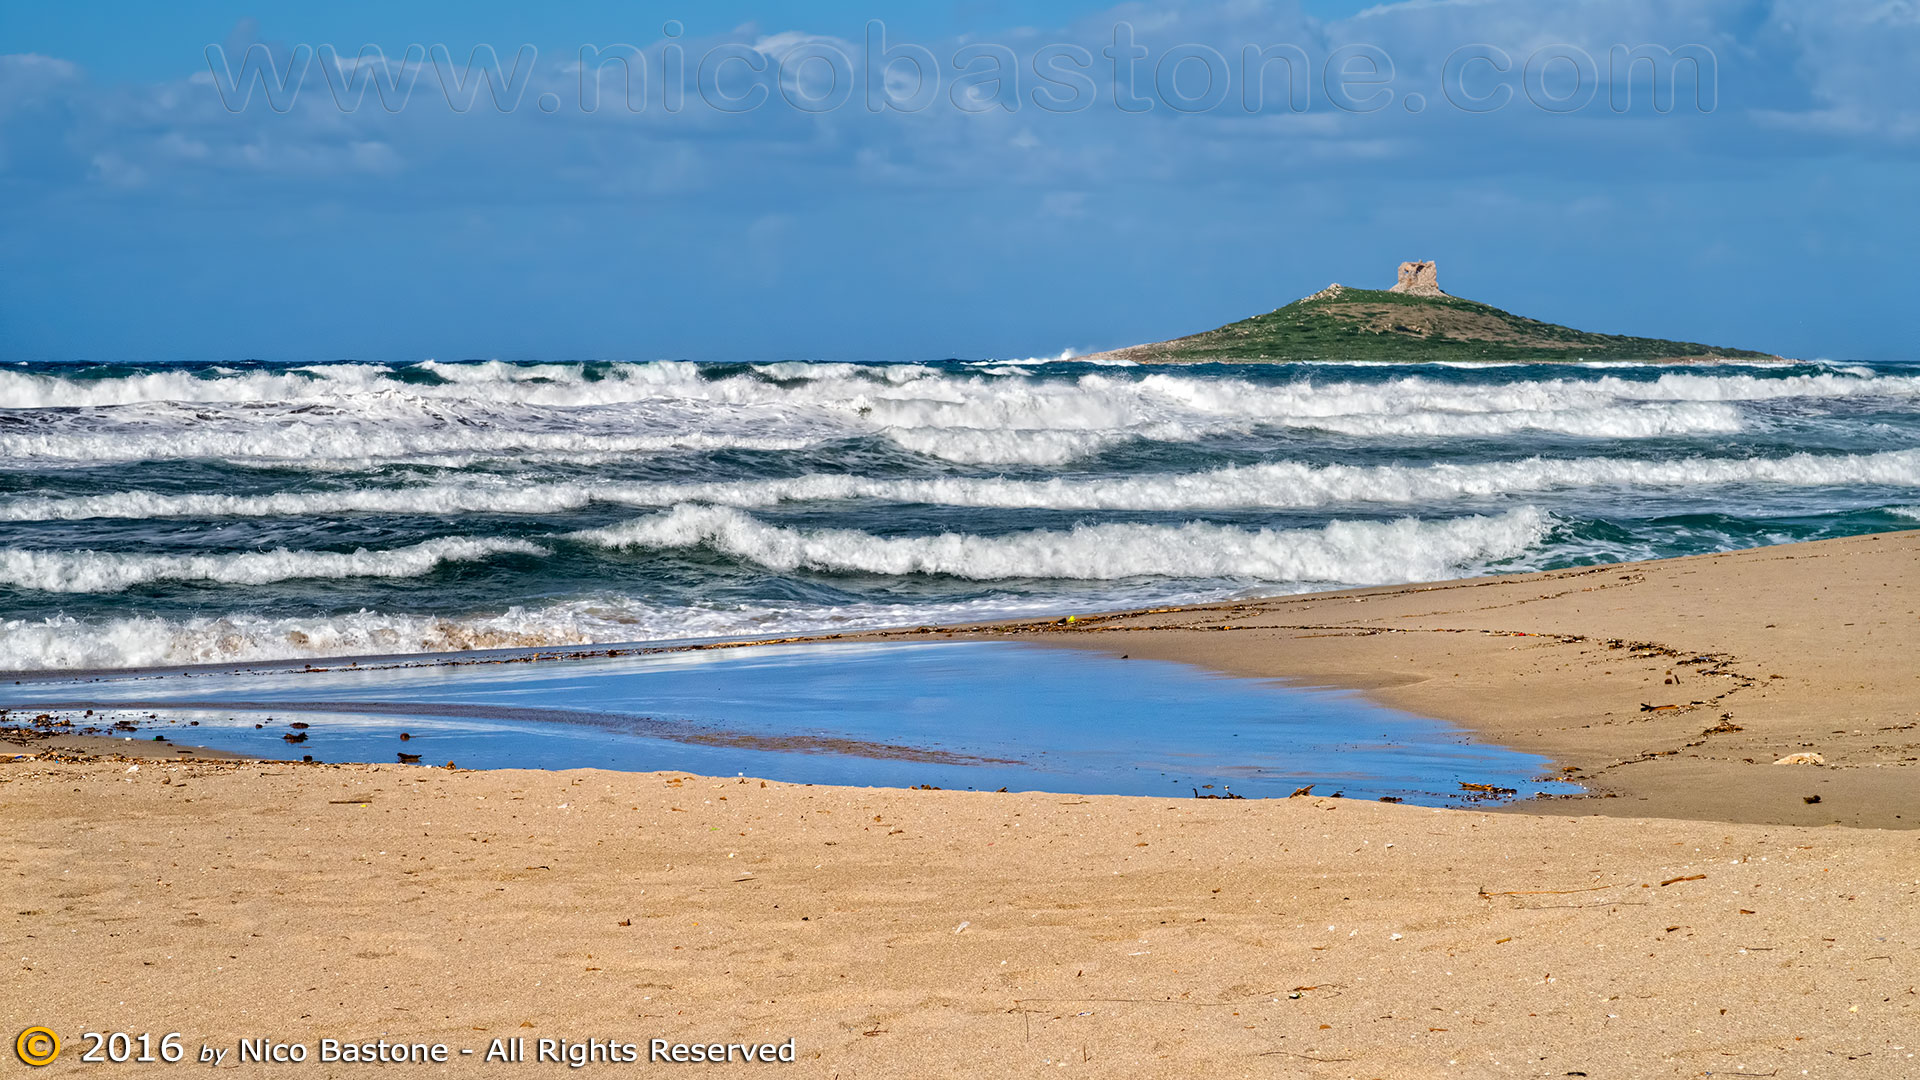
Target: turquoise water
column 175, row 514
column 981, row 715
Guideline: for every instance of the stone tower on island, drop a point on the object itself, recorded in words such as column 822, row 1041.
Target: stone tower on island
column 1418, row 279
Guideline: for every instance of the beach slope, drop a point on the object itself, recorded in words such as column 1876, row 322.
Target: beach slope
column 1667, row 688
column 1713, row 921
column 928, row 933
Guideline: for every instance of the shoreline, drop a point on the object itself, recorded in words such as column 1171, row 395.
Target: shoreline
column 902, row 932
column 1666, row 688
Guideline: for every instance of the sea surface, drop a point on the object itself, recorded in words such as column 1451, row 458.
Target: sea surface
column 180, row 514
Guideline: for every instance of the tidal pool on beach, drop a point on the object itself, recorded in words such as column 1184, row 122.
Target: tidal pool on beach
column 981, row 715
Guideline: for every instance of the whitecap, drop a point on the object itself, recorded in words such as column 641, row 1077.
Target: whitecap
column 1406, row 549
column 110, row 571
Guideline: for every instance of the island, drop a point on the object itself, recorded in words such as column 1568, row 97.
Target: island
column 1414, row 322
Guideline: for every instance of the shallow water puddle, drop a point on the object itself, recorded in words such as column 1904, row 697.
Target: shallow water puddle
column 981, row 715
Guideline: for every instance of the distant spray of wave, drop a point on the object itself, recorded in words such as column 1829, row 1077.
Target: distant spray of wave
column 340, row 445
column 995, row 400
column 353, row 413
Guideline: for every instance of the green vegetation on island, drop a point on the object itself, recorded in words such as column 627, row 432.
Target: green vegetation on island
column 1414, row 322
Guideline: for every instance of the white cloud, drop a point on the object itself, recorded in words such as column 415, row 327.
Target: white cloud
column 27, row 78
column 1835, row 71
column 111, row 169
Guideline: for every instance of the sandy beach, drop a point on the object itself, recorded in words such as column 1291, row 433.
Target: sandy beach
column 1308, row 540
column 1695, row 915
column 1667, row 688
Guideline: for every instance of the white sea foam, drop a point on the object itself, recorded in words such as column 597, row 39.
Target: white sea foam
column 341, row 418
column 358, row 412
column 106, row 571
column 570, row 385
column 66, row 643
column 1013, row 446
column 439, row 499
column 1278, row 486
column 338, row 445
column 1340, row 552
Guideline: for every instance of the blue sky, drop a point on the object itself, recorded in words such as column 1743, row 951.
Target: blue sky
column 144, row 216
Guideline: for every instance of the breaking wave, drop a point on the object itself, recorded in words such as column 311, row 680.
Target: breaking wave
column 153, row 514
column 902, row 386
column 66, row 643
column 1340, row 552
column 1278, row 486
column 1006, row 415
column 106, row 572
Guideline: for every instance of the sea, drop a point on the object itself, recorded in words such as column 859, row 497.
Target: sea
column 160, row 515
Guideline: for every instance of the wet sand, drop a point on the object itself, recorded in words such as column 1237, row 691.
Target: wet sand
column 1706, row 920
column 1666, row 688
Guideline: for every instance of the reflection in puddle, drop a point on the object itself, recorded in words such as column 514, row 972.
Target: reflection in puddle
column 981, row 715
